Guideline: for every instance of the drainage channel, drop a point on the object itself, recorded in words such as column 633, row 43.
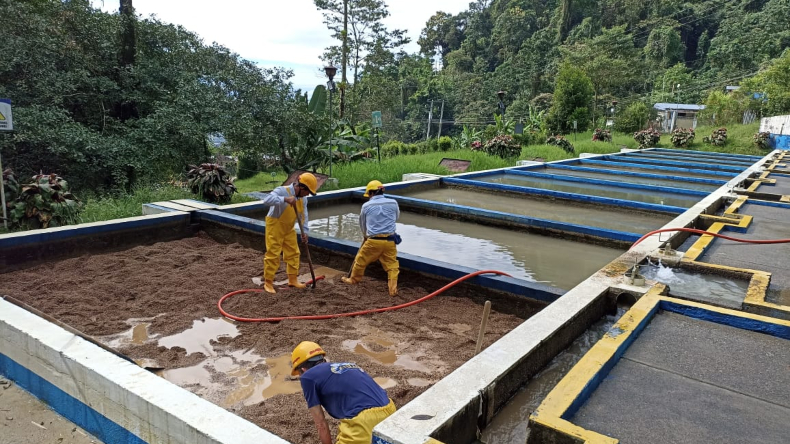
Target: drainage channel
column 535, row 258
column 510, row 425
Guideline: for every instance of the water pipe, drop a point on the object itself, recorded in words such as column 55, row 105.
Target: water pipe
column 347, row 314
column 694, row 230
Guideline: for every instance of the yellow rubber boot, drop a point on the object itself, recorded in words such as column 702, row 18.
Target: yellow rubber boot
column 294, row 282
column 268, row 286
column 350, row 280
column 393, row 287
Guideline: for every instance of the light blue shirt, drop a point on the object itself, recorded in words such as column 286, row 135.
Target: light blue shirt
column 276, row 202
column 378, row 216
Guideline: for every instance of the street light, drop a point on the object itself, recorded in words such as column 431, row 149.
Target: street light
column 501, row 95
column 330, row 86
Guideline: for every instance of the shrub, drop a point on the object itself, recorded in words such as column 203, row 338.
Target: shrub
column 561, row 142
column 717, row 137
column 445, row 143
column 503, row 146
column 211, row 182
column 248, row 166
column 476, row 146
column 602, row 135
column 682, row 137
column 761, row 140
column 392, row 148
column 647, row 138
column 45, row 202
column 633, row 118
column 433, row 145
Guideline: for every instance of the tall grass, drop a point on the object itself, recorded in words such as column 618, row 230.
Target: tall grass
column 106, row 207
column 264, row 181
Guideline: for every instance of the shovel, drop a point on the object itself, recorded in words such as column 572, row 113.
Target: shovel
column 306, row 247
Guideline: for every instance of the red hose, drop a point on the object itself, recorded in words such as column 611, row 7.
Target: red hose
column 353, row 313
column 694, row 230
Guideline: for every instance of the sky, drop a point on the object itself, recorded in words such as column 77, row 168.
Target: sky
column 287, row 33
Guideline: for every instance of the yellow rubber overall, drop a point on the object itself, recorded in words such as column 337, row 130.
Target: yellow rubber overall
column 377, row 249
column 281, row 239
column 359, row 429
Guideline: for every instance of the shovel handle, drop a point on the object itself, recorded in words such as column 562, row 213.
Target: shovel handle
column 306, row 247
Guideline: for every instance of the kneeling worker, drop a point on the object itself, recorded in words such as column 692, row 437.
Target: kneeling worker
column 344, row 390
column 286, row 203
column 377, row 223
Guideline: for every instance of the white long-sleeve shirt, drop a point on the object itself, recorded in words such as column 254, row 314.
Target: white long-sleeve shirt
column 276, row 202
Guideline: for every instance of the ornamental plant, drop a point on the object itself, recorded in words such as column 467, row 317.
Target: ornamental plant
column 561, row 142
column 503, row 146
column 476, row 146
column 10, row 188
column 682, row 137
column 647, row 138
column 602, row 135
column 717, row 137
column 44, row 202
column 211, row 182
column 761, row 139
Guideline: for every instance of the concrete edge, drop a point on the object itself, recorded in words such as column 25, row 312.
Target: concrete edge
column 109, row 397
column 91, row 228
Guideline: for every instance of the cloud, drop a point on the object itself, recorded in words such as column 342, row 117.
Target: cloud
column 290, row 32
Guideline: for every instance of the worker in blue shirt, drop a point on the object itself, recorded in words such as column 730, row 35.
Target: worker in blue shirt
column 344, row 390
column 377, row 223
column 286, row 203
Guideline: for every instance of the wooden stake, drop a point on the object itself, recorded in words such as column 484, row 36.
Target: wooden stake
column 481, row 333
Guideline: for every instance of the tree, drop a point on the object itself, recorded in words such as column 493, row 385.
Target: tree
column 358, row 25
column 573, row 93
column 771, row 86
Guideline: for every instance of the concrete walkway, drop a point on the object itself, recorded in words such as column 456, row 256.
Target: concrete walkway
column 25, row 419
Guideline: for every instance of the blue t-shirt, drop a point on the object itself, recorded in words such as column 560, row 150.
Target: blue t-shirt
column 342, row 388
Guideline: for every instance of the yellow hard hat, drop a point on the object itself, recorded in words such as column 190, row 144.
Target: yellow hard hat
column 308, row 180
column 304, row 351
column 373, row 185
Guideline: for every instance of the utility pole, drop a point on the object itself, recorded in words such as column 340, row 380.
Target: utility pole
column 430, row 117
column 441, row 115
column 343, row 83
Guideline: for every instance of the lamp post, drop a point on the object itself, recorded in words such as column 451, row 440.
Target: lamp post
column 501, row 95
column 330, row 72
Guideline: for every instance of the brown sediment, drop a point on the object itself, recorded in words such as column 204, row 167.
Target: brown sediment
column 174, row 285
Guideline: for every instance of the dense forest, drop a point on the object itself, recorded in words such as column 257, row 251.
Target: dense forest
column 109, row 100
